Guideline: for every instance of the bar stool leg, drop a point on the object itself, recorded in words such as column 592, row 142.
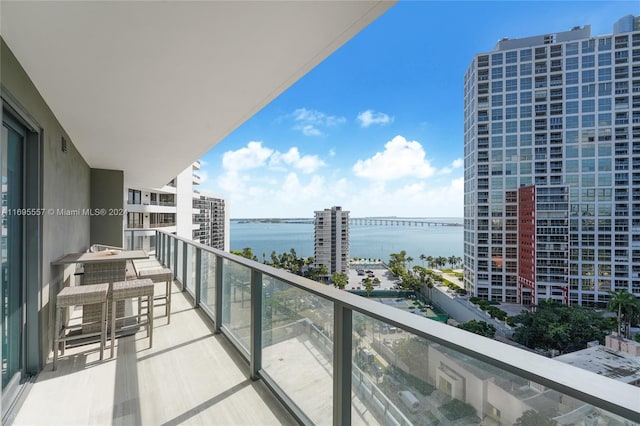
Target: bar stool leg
column 150, row 320
column 56, row 338
column 103, row 329
column 113, row 326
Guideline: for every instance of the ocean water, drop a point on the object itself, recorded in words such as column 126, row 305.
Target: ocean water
column 368, row 241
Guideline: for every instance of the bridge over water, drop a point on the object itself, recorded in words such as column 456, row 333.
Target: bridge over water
column 365, row 221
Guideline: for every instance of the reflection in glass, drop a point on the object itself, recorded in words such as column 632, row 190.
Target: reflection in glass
column 236, row 301
column 298, row 346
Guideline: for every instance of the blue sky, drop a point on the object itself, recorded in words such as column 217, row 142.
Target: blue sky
column 377, row 127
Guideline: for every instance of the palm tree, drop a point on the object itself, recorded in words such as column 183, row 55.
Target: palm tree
column 452, row 261
column 430, row 262
column 423, row 258
column 368, row 285
column 626, row 306
column 409, row 261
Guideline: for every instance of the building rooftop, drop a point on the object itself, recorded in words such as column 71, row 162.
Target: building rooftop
column 602, row 360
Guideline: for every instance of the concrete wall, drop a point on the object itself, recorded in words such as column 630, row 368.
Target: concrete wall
column 107, row 207
column 184, row 203
column 65, row 184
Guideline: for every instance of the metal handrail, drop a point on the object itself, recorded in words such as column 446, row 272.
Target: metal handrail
column 599, row 391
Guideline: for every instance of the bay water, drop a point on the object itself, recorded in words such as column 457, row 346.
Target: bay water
column 376, row 241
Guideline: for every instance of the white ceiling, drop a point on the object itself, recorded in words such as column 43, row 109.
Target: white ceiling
column 150, row 86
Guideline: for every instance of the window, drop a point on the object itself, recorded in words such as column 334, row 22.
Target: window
column 571, row 78
column 572, row 92
column 604, row 44
column 525, row 54
column 525, row 69
column 496, row 59
column 572, row 107
column 525, row 111
column 496, row 87
column 525, row 97
column 588, row 61
column 134, row 220
column 496, row 100
column 571, row 63
column 496, row 72
column 525, row 83
column 604, row 89
column 511, row 57
column 604, row 59
column 588, row 105
column 588, row 90
column 512, row 98
column 511, row 71
column 588, row 46
column 588, row 76
column 512, row 85
column 604, row 119
column 134, row 197
column 604, row 74
column 604, row 104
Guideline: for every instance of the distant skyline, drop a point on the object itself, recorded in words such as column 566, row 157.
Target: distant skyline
column 377, row 128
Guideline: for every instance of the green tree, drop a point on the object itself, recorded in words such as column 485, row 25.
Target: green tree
column 423, row 258
column 246, row 253
column 339, row 280
column 627, row 308
column 482, row 328
column 534, row 418
column 557, row 326
column 368, row 285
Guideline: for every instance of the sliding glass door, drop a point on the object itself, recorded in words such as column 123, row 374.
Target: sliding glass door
column 13, row 289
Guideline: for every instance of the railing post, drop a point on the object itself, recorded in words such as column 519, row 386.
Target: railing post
column 174, row 253
column 256, row 324
column 198, row 281
column 185, row 252
column 218, row 293
column 342, row 322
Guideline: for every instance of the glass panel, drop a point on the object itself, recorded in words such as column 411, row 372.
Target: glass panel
column 11, row 252
column 171, row 246
column 180, row 262
column 208, row 280
column 297, row 346
column 236, row 301
column 191, row 268
column 399, row 378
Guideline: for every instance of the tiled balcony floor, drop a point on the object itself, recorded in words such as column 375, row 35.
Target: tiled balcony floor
column 190, row 376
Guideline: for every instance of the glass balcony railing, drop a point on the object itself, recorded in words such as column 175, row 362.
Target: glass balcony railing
column 334, row 357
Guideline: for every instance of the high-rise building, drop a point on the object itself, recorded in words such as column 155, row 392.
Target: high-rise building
column 331, row 236
column 211, row 216
column 552, row 167
column 178, row 207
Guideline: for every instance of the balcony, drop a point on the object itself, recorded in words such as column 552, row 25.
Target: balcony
column 248, row 335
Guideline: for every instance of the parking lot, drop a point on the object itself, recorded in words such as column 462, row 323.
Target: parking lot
column 387, row 281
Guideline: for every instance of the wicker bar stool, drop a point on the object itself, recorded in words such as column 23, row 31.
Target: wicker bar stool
column 128, row 290
column 80, row 296
column 159, row 275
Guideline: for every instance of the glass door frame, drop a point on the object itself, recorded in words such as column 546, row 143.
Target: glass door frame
column 32, row 351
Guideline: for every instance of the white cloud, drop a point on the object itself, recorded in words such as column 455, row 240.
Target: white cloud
column 309, row 121
column 455, row 164
column 401, row 158
column 370, row 117
column 252, row 156
column 306, row 163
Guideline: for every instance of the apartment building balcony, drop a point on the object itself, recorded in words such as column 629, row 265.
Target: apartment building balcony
column 244, row 334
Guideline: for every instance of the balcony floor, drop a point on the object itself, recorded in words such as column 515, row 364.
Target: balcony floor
column 190, row 376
